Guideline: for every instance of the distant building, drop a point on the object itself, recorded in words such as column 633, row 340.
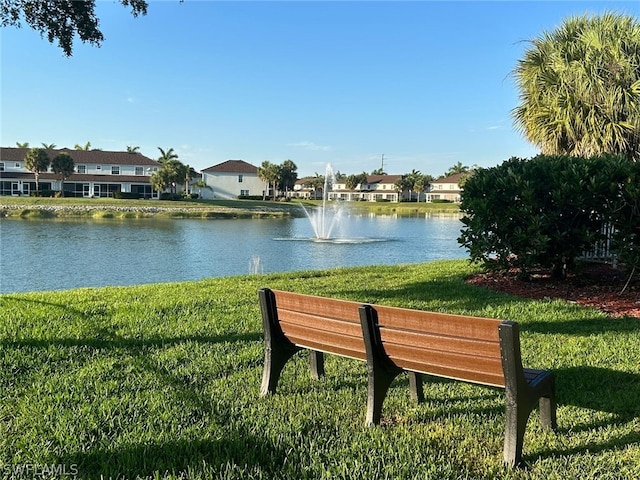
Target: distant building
column 447, row 188
column 375, row 188
column 232, row 179
column 97, row 173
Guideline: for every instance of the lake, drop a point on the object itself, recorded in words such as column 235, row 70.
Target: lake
column 49, row 254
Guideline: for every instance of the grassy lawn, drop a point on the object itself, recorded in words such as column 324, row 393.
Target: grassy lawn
column 162, row 381
column 29, row 207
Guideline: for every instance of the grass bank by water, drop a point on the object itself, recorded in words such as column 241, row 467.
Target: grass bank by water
column 40, row 207
column 162, row 381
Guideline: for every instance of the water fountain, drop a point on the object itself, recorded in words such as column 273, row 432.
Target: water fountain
column 324, row 218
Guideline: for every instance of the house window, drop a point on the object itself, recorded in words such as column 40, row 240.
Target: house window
column 1, row 166
column 81, row 168
column 98, row 167
column 139, row 171
column 244, row 192
column 239, row 178
column 115, row 169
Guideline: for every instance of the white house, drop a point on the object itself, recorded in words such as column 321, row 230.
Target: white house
column 232, row 179
column 97, row 173
column 375, row 188
column 447, row 188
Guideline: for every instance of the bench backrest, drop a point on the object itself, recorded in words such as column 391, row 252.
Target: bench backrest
column 446, row 345
column 323, row 324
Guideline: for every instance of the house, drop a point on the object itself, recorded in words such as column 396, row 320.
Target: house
column 375, row 188
column 97, row 173
column 232, row 179
column 446, row 189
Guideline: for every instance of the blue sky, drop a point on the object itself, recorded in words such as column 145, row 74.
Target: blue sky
column 424, row 83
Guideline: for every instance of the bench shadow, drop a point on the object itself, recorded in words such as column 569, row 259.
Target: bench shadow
column 603, row 390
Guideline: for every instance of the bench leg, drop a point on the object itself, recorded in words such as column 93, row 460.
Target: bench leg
column 516, row 423
column 380, row 380
column 277, row 347
column 381, row 372
column 415, row 386
column 547, row 405
column 275, row 358
column 316, row 359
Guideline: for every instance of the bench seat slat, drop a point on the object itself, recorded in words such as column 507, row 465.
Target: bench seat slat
column 453, row 365
column 438, row 323
column 443, row 343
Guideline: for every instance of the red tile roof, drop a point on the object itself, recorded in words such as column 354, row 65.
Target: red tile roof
column 232, row 166
column 82, row 157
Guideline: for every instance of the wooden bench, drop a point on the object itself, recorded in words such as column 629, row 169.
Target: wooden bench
column 294, row 321
column 393, row 340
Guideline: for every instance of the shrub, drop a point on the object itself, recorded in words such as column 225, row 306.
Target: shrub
column 538, row 213
column 126, row 195
column 624, row 214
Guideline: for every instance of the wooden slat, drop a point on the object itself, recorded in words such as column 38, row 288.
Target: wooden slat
column 482, row 378
column 320, row 323
column 438, row 323
column 342, row 350
column 330, row 342
column 467, row 367
column 329, row 307
column 443, row 343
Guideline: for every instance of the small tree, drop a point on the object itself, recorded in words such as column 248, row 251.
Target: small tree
column 269, row 173
column 86, row 147
column 288, row 174
column 37, row 161
column 63, row 165
column 315, row 183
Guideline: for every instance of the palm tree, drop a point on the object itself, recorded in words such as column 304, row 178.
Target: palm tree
column 86, row 147
column 580, row 88
column 48, row 146
column 131, row 149
column 200, row 184
column 189, row 173
column 37, row 161
column 269, row 173
column 167, row 155
column 22, row 145
column 315, row 183
column 63, row 165
column 288, row 174
column 457, row 168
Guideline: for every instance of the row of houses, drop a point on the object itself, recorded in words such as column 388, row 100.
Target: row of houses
column 100, row 173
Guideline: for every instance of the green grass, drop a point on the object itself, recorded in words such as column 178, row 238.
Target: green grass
column 103, row 208
column 162, row 381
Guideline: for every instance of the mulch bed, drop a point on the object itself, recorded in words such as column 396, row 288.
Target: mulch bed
column 597, row 285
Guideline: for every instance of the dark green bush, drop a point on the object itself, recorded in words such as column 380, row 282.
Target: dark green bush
column 170, row 196
column 624, row 214
column 539, row 213
column 252, row 197
column 127, row 195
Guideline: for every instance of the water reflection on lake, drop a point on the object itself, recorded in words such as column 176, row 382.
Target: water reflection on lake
column 62, row 254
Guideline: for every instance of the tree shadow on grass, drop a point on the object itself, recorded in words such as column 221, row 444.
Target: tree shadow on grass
column 601, row 389
column 180, row 457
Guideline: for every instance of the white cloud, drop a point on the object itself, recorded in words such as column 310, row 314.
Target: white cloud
column 310, row 146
